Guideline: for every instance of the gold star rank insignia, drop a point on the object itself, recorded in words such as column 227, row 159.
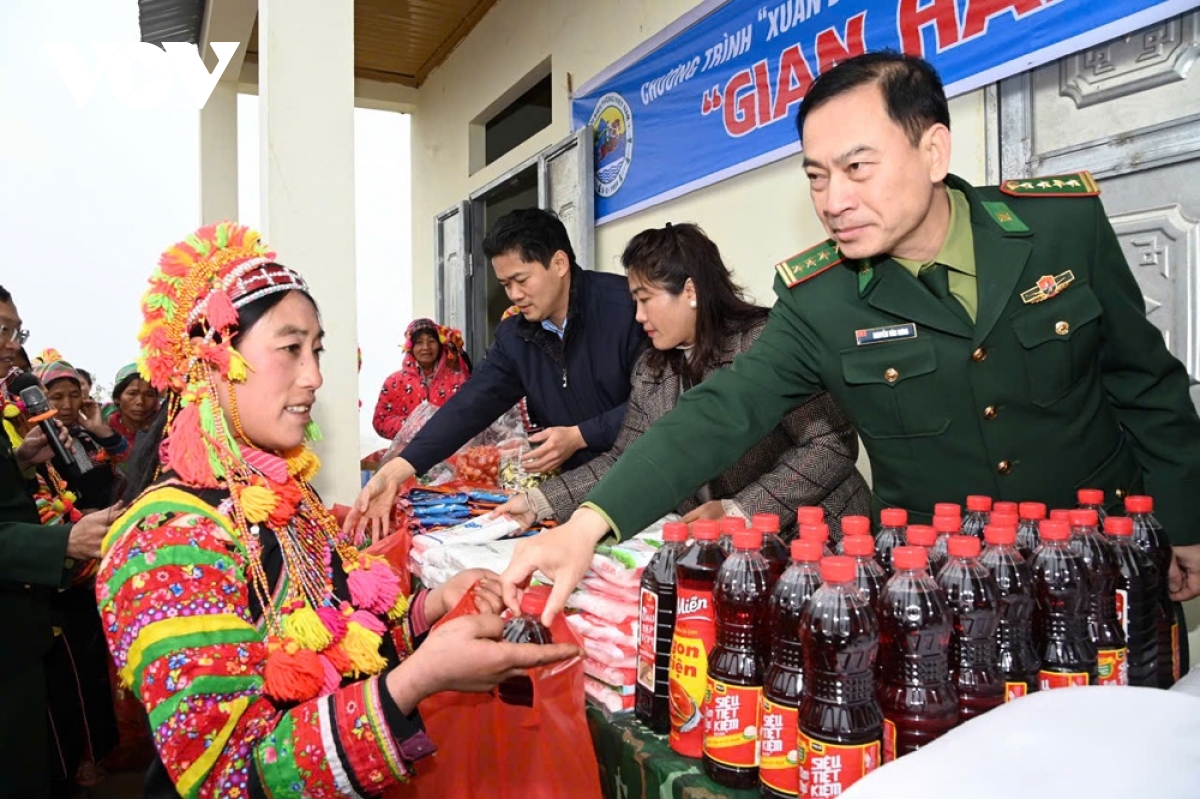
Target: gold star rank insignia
column 808, row 264
column 1078, row 184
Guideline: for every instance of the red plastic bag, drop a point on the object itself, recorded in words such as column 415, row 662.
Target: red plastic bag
column 489, row 748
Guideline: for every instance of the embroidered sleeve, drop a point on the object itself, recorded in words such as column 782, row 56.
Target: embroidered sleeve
column 174, row 602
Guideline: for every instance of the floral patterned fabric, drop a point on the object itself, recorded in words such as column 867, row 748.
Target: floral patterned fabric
column 188, row 640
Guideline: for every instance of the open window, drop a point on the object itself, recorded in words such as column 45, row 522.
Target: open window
column 560, row 179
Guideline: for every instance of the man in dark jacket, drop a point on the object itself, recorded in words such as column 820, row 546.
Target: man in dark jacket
column 35, row 561
column 569, row 352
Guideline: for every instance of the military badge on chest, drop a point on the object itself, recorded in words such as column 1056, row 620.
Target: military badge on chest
column 1047, row 286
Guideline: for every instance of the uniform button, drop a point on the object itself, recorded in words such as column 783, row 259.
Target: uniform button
column 989, row 412
column 1062, row 328
column 978, row 355
column 1120, row 492
column 891, row 375
column 1004, row 467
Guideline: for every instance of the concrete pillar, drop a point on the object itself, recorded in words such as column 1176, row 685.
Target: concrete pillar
column 306, row 118
column 219, row 155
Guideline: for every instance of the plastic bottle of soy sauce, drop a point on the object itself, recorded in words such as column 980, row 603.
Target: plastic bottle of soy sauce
column 656, row 625
column 733, row 700
column 1017, row 658
column 979, row 509
column 1060, row 616
column 1150, row 537
column 840, row 721
column 918, row 700
column 525, row 629
column 695, row 635
column 774, row 551
column 974, row 600
column 1112, row 651
column 1135, row 605
column 1031, row 514
column 778, row 775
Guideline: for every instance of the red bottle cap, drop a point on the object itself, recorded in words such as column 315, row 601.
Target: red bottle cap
column 1139, row 504
column 920, row 535
column 810, row 514
column 979, row 503
column 999, row 535
column 1118, row 526
column 910, row 557
column 1061, row 515
column 675, row 532
column 856, row 525
column 837, row 569
column 807, row 550
column 747, row 540
column 1083, row 518
column 706, row 530
column 1090, row 496
column 1054, row 530
column 893, row 517
column 731, row 524
column 1004, row 519
column 963, row 546
column 815, row 532
column 1004, row 507
column 947, row 509
column 1032, row 510
column 766, row 522
column 533, row 602
column 859, row 546
column 947, row 524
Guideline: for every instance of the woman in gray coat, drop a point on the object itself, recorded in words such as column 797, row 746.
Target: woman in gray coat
column 698, row 321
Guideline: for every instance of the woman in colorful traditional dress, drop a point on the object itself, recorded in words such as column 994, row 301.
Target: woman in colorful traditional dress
column 273, row 659
column 433, row 370
column 134, row 404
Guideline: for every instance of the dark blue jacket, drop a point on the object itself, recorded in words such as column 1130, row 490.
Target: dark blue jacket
column 582, row 379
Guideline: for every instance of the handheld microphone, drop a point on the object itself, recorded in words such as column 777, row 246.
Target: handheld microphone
column 39, row 411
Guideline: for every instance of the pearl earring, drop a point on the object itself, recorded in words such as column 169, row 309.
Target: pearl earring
column 692, row 303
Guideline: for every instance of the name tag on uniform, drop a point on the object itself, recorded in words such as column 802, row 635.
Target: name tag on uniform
column 875, row 335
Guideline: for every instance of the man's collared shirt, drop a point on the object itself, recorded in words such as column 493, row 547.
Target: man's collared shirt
column 558, row 331
column 957, row 254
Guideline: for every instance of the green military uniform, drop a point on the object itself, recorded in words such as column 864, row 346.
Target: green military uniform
column 32, row 567
column 1058, row 382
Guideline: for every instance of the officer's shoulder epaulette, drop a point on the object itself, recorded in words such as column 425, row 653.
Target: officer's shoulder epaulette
column 809, row 264
column 1076, row 184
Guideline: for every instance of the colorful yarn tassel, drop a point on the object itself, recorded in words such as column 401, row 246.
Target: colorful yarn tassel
column 293, row 674
column 305, row 627
column 334, row 621
column 374, row 585
column 362, row 648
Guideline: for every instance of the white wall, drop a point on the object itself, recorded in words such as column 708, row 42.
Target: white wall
column 757, row 219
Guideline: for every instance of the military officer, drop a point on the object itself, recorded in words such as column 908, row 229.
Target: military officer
column 34, row 561
column 983, row 340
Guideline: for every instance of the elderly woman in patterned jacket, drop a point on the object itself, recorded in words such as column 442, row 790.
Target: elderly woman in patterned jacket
column 698, row 321
column 433, row 370
column 273, row 659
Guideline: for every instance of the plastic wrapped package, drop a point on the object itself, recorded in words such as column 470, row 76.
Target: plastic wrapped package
column 606, row 698
column 620, row 680
column 623, row 593
column 591, row 626
column 610, row 610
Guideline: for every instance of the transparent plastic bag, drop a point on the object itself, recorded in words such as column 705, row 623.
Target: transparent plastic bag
column 408, row 431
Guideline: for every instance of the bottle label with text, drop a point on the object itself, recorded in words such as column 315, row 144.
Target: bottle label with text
column 1113, row 666
column 1061, row 679
column 647, row 643
column 828, row 769
column 731, row 722
column 695, row 635
column 778, row 766
column 1123, row 610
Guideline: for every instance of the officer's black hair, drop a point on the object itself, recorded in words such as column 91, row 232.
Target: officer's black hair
column 533, row 234
column 144, row 462
column 667, row 258
column 4, row 295
column 911, row 90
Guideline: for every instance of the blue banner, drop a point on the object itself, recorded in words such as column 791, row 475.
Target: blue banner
column 716, row 93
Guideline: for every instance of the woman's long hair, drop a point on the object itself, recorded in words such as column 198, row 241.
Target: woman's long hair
column 143, row 467
column 667, row 257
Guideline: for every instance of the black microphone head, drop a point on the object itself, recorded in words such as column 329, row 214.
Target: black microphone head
column 35, row 400
column 17, row 383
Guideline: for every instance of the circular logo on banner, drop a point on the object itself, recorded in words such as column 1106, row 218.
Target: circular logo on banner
column 612, row 122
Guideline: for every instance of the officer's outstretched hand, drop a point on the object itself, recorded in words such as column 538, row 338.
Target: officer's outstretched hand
column 1184, row 577
column 562, row 553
